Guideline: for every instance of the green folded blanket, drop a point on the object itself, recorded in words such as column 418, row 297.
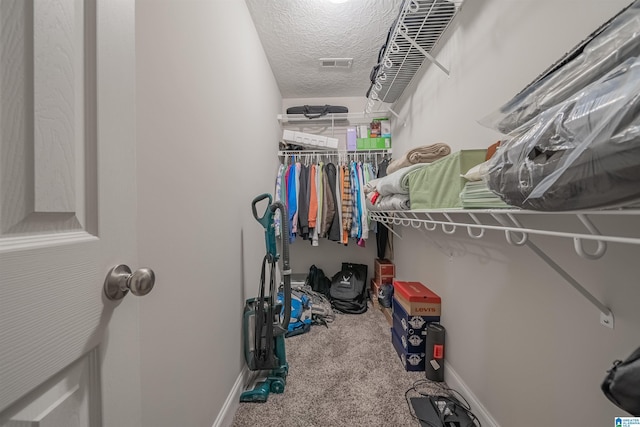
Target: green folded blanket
column 438, row 185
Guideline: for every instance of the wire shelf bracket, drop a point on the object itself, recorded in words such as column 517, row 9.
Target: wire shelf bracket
column 518, row 235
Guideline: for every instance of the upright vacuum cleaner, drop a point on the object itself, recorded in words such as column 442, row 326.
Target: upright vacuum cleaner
column 265, row 321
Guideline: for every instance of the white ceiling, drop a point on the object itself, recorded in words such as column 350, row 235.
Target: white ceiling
column 297, row 33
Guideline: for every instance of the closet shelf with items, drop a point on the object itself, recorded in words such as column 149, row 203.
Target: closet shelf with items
column 360, row 132
column 569, row 162
column 410, row 40
column 312, row 131
column 476, row 221
column 330, row 119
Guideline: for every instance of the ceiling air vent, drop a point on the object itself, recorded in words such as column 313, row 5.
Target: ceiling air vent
column 336, row 62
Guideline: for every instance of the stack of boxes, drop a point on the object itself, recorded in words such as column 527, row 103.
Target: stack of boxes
column 374, row 136
column 385, row 271
column 414, row 306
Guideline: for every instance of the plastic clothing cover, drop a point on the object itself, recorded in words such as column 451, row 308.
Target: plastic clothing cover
column 606, row 48
column 583, row 153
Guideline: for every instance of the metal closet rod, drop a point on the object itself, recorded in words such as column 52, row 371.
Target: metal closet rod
column 339, row 153
column 510, row 225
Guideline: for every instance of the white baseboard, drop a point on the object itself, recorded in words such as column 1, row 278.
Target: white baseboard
column 454, row 381
column 225, row 416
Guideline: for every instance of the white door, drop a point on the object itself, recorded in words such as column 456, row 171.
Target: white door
column 68, row 356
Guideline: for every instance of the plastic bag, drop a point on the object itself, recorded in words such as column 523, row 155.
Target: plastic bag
column 606, row 48
column 583, row 153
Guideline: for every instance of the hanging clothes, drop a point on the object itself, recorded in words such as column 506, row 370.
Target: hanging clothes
column 320, row 195
column 347, row 204
column 303, row 203
column 278, row 198
column 313, row 199
column 326, row 199
column 295, row 217
column 364, row 228
column 292, row 203
column 355, row 223
column 382, row 234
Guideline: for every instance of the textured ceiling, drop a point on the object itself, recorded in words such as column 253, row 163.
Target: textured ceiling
column 297, row 33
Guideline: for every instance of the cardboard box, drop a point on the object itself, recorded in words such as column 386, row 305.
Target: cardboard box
column 373, row 293
column 384, row 268
column 416, row 299
column 384, row 280
column 412, row 340
column 385, row 127
column 410, row 361
column 387, row 314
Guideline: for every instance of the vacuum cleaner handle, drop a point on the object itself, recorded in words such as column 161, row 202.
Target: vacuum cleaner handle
column 286, row 268
column 262, row 219
column 266, row 220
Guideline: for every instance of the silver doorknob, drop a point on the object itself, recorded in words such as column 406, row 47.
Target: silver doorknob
column 120, row 281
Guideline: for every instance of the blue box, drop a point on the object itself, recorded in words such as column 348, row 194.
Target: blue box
column 412, row 340
column 410, row 361
column 418, row 323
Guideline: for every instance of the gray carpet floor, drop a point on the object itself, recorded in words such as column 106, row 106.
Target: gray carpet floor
column 345, row 375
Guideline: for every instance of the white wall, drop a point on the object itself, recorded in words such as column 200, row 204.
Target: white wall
column 207, row 136
column 529, row 346
column 525, row 343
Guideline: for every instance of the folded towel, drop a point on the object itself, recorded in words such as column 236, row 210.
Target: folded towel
column 423, row 154
column 394, row 183
column 392, row 202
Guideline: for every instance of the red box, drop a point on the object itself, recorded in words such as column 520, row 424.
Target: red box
column 416, row 298
column 384, row 268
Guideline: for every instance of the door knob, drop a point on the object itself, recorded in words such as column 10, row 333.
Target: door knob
column 120, row 281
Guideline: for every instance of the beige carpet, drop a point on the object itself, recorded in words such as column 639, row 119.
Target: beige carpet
column 346, row 375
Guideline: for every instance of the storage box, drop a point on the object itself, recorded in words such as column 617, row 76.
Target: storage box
column 387, row 314
column 288, row 135
column 373, row 292
column 416, row 299
column 384, row 268
column 309, row 140
column 373, row 143
column 332, row 143
column 410, row 361
column 412, row 339
column 385, row 127
column 351, row 139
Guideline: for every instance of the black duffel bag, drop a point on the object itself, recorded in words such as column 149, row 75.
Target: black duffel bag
column 316, row 111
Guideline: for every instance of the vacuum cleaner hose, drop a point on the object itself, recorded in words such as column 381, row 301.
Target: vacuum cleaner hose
column 286, row 268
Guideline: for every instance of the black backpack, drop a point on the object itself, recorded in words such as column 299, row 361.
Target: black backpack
column 317, row 280
column 348, row 293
